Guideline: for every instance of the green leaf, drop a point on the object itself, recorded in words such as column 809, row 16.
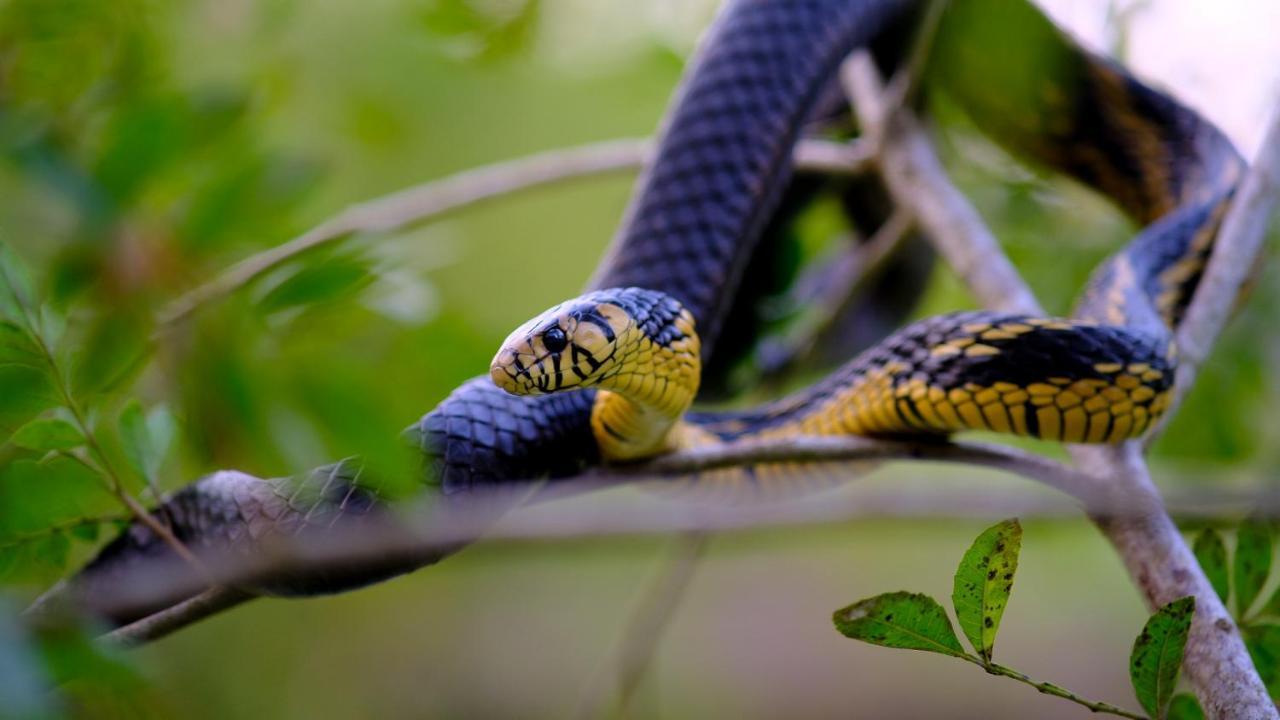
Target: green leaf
column 45, row 434
column 36, row 496
column 1272, row 608
column 1263, row 643
column 23, row 686
column 902, row 620
column 318, row 282
column 16, row 293
column 146, row 439
column 1185, row 707
column 26, row 392
column 16, row 347
column 1252, row 562
column 134, row 437
column 1211, row 553
column 983, row 581
column 1157, row 655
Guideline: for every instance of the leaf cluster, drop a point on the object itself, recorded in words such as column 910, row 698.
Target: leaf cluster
column 981, row 588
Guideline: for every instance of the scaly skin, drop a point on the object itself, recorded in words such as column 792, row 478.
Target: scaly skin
column 723, row 161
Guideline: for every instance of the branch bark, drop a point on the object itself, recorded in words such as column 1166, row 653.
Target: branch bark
column 1154, row 552
column 434, row 198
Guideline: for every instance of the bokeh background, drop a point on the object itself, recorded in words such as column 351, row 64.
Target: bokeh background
column 146, row 145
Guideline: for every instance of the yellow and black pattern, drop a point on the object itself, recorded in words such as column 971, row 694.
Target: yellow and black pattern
column 638, row 346
column 1102, row 376
column 1035, row 377
column 1054, row 379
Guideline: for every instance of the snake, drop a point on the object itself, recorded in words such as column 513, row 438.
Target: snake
column 610, row 376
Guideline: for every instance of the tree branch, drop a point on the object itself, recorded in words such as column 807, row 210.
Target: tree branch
column 1153, row 551
column 157, row 625
column 639, row 641
column 434, row 198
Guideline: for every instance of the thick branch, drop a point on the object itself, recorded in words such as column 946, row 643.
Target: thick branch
column 1153, row 551
column 434, row 198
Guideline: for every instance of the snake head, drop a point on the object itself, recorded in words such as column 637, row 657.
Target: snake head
column 606, row 338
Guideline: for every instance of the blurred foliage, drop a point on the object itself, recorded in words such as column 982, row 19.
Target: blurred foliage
column 147, row 145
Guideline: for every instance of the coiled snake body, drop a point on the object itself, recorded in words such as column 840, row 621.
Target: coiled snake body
column 722, row 163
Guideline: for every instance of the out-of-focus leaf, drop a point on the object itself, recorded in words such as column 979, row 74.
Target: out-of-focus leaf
column 37, row 496
column 134, row 437
column 86, row 531
column 1157, row 655
column 983, row 582
column 355, row 425
column 111, row 352
column 51, row 550
column 1272, row 608
column 23, row 687
column 318, row 282
column 146, row 136
column 1211, row 553
column 146, row 439
column 99, row 679
column 52, row 326
column 1185, row 707
column 26, row 392
column 46, row 434
column 16, row 347
column 1263, row 643
column 17, row 298
column 1252, row 562
column 480, row 30
column 901, row 620
column 44, row 506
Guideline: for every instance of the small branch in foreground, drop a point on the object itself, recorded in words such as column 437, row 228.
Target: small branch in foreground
column 160, row 624
column 417, row 533
column 640, row 637
column 431, row 199
column 1054, row 690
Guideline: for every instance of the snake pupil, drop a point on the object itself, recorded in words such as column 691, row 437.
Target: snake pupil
column 554, row 340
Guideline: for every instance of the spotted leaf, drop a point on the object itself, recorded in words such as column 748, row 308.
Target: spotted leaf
column 1252, row 562
column 983, row 581
column 1211, row 553
column 902, row 620
column 1157, row 655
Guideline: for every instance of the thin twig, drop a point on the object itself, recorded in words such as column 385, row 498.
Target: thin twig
column 1054, row 690
column 434, row 198
column 640, row 637
column 102, row 468
column 157, row 625
column 1153, row 551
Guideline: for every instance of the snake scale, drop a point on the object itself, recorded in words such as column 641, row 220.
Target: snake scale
column 691, row 230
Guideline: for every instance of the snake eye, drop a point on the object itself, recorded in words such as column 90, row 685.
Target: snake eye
column 554, row 340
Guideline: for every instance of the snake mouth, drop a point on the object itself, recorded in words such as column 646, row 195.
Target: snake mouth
column 512, row 373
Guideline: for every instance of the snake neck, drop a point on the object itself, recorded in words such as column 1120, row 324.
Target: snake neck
column 638, row 410
column 629, row 430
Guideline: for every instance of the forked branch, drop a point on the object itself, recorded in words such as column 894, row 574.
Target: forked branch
column 1153, row 551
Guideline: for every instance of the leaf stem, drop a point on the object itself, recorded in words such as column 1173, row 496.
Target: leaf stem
column 102, row 467
column 1051, row 689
